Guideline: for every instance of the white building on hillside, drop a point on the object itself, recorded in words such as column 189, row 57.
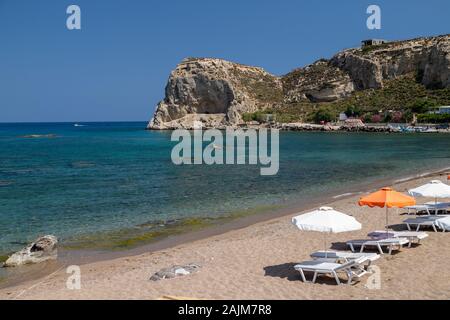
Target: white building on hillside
column 373, row 42
column 342, row 116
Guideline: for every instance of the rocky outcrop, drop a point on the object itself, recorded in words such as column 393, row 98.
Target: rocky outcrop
column 216, row 93
column 428, row 58
column 43, row 249
column 318, row 82
column 435, row 72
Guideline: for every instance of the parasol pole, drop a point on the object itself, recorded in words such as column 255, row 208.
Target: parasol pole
column 387, row 221
column 435, row 206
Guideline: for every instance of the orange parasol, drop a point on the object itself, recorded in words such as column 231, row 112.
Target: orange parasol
column 388, row 198
column 448, row 177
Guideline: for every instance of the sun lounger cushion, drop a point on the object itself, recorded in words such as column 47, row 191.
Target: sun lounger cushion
column 412, row 235
column 369, row 256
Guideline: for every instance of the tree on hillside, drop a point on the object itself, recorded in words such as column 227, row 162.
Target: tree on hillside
column 353, row 111
column 324, row 115
column 422, row 105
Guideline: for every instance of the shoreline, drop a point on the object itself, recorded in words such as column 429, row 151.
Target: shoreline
column 329, row 127
column 88, row 257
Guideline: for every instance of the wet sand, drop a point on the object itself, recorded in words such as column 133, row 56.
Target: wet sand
column 256, row 262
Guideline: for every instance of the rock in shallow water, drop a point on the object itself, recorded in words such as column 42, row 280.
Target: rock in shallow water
column 42, row 249
column 175, row 271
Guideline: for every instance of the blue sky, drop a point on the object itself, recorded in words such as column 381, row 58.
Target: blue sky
column 116, row 67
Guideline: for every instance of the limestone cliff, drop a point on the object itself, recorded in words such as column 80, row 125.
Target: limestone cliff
column 217, row 92
column 429, row 58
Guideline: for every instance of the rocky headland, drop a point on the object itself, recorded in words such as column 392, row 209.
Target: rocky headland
column 219, row 93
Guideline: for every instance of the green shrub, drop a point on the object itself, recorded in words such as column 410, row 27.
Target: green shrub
column 433, row 118
column 259, row 116
column 323, row 114
column 422, row 105
column 387, row 117
column 367, row 117
column 353, row 111
column 287, row 117
column 247, row 117
column 407, row 116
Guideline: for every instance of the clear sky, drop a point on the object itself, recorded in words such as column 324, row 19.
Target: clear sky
column 115, row 68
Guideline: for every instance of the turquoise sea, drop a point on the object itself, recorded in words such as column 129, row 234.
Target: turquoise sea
column 113, row 185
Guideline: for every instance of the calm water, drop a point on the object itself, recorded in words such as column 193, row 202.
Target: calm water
column 113, row 181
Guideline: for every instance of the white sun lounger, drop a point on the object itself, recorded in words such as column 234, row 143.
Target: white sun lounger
column 352, row 269
column 423, row 222
column 429, row 207
column 412, row 236
column 443, row 223
column 390, row 243
column 418, row 208
column 438, row 205
column 362, row 257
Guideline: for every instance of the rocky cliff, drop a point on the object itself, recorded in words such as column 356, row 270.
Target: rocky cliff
column 217, row 92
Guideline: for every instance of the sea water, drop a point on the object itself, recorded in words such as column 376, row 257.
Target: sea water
column 113, row 185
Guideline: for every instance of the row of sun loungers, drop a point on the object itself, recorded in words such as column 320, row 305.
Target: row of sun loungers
column 429, row 207
column 392, row 240
column 356, row 263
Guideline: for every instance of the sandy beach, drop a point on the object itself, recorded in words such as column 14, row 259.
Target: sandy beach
column 256, row 262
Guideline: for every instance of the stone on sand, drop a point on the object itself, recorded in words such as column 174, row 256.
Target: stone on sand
column 42, row 249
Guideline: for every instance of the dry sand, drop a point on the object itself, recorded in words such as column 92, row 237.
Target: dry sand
column 257, row 262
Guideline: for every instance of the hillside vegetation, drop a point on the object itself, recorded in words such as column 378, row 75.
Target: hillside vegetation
column 395, row 102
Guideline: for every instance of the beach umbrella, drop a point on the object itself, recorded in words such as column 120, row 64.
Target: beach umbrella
column 434, row 189
column 387, row 198
column 326, row 220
